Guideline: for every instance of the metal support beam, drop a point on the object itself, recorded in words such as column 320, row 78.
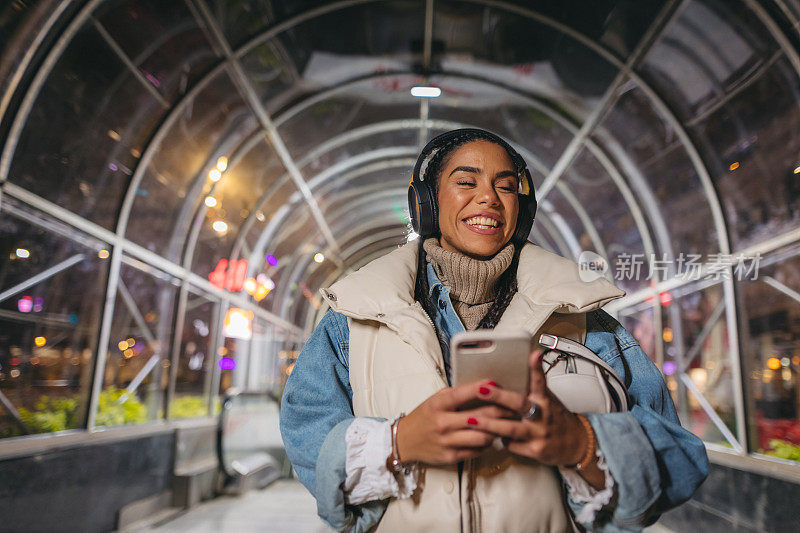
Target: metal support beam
column 117, row 49
column 788, row 291
column 130, row 303
column 41, row 276
column 244, row 84
column 712, row 415
column 607, row 100
column 701, row 337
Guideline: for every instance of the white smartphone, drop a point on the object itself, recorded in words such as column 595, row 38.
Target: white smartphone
column 499, row 356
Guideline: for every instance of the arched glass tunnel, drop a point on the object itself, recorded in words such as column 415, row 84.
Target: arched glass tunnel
column 180, row 178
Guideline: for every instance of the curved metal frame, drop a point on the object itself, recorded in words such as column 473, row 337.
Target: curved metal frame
column 120, row 243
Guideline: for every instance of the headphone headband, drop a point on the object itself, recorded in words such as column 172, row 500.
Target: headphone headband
column 422, row 203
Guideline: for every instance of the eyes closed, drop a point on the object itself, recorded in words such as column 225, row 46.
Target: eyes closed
column 504, row 184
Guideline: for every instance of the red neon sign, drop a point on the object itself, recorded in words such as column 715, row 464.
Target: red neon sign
column 229, row 276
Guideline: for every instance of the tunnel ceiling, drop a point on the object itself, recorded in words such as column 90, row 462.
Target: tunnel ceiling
column 184, row 133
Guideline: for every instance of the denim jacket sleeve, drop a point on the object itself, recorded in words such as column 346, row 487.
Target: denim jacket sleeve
column 316, row 410
column 656, row 463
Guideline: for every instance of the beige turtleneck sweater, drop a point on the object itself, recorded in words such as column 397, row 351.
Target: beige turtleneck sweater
column 472, row 282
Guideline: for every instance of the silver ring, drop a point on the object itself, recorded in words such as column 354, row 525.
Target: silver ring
column 533, row 412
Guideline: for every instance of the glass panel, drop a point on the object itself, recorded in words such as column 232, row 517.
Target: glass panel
column 48, row 330
column 541, row 237
column 304, row 297
column 12, row 16
column 292, row 238
column 708, row 47
column 108, row 114
column 281, row 196
column 401, row 143
column 240, row 21
column 162, row 39
column 273, row 73
column 753, row 140
column 639, row 323
column 701, row 424
column 562, row 208
column 504, row 47
column 660, row 173
column 309, row 57
column 234, row 354
column 618, row 25
column 595, row 190
column 195, row 358
column 696, row 346
column 185, row 165
column 519, row 121
column 770, row 338
column 793, row 8
column 389, row 28
column 264, row 372
column 138, row 353
column 359, row 104
column 230, row 201
column 375, row 189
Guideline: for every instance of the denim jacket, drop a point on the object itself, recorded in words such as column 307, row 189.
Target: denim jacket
column 656, row 463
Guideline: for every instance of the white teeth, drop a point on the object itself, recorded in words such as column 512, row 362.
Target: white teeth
column 482, row 222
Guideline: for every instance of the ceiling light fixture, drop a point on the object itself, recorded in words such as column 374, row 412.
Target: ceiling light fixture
column 426, row 92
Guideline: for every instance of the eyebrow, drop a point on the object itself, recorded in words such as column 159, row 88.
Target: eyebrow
column 474, row 170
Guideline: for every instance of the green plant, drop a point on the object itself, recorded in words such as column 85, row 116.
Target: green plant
column 110, row 412
column 188, row 407
column 51, row 414
column 783, row 449
column 57, row 414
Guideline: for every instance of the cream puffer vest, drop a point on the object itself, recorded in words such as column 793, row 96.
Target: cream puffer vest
column 396, row 364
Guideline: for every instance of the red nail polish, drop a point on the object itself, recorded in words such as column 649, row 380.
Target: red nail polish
column 492, row 383
column 472, row 421
column 484, row 390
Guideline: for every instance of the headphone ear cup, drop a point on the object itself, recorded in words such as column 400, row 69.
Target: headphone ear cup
column 413, row 208
column 422, row 209
column 527, row 212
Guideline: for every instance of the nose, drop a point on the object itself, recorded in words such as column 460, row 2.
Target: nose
column 486, row 194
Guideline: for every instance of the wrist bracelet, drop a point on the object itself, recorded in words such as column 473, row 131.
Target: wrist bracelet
column 393, row 463
column 591, row 447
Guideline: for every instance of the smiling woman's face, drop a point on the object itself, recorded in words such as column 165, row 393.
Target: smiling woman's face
column 478, row 204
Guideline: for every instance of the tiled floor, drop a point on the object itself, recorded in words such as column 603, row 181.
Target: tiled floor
column 283, row 507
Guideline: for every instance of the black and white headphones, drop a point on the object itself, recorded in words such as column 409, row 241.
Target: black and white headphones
column 424, row 209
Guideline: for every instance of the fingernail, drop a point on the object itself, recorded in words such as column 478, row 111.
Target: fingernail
column 492, row 383
column 484, row 390
column 472, row 421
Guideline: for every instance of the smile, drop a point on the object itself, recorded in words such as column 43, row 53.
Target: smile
column 482, row 222
column 485, row 225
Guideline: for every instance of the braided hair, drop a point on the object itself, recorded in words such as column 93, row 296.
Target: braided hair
column 506, row 283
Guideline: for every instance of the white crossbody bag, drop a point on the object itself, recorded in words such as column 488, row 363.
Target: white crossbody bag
column 580, row 378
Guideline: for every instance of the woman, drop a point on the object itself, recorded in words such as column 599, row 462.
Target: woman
column 382, row 350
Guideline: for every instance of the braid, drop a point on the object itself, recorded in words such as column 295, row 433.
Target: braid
column 421, row 283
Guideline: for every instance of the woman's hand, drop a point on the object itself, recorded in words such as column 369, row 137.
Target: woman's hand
column 436, row 432
column 555, row 437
